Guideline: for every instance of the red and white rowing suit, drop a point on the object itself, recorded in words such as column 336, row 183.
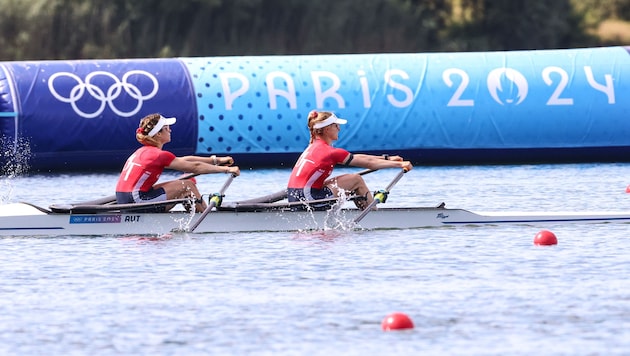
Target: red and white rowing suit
column 142, row 170
column 313, row 168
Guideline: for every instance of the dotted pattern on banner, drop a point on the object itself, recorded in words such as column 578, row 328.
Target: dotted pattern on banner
column 395, row 102
column 236, row 114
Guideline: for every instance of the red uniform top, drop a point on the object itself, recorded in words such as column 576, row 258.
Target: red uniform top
column 316, row 164
column 143, row 168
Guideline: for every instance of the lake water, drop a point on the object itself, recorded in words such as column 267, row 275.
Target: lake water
column 468, row 290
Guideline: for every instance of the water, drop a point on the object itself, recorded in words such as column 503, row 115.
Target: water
column 469, row 290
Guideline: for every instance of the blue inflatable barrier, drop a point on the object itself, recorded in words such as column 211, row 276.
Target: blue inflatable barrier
column 436, row 108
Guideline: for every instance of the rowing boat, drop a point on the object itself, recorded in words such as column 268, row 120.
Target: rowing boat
column 24, row 219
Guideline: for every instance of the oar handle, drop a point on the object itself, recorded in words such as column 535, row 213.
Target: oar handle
column 212, row 203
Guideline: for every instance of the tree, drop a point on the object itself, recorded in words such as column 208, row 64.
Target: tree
column 519, row 24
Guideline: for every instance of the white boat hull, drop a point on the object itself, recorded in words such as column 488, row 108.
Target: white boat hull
column 20, row 219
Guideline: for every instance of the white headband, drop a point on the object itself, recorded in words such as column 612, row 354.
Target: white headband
column 161, row 123
column 332, row 119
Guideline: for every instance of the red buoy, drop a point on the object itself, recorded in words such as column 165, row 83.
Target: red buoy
column 628, row 189
column 396, row 321
column 545, row 237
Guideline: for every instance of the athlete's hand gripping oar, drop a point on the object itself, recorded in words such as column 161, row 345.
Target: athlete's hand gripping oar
column 215, row 200
column 380, row 197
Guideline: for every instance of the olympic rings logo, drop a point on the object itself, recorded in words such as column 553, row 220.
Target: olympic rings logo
column 106, row 98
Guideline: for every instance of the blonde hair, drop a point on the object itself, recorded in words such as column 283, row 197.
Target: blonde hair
column 147, row 124
column 315, row 117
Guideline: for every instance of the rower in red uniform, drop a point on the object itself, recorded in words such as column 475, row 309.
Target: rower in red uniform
column 143, row 168
column 309, row 178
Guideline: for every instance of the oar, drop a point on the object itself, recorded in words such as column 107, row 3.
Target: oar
column 112, row 198
column 240, row 206
column 379, row 197
column 282, row 194
column 366, row 171
column 216, row 199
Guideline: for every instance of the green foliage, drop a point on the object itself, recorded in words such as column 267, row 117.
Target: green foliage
column 78, row 29
column 519, row 24
column 596, row 11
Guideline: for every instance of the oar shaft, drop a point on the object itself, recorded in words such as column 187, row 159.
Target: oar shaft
column 375, row 201
column 226, row 184
column 365, row 211
column 282, row 194
column 211, row 203
column 366, row 171
column 396, row 179
column 112, row 198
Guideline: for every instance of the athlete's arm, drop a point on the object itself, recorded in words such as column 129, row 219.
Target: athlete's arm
column 200, row 167
column 377, row 162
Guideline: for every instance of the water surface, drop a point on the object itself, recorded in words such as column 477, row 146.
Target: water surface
column 469, row 290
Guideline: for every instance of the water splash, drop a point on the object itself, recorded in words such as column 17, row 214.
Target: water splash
column 336, row 218
column 185, row 222
column 14, row 162
column 15, row 157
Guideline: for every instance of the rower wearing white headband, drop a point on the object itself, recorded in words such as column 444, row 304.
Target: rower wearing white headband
column 332, row 119
column 163, row 121
column 309, row 178
column 137, row 182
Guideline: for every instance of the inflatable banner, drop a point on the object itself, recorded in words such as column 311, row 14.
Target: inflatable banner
column 436, row 108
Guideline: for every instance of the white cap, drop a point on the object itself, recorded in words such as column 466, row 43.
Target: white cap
column 332, row 119
column 161, row 123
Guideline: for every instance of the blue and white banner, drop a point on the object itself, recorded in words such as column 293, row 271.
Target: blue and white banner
column 530, row 99
column 431, row 107
column 84, row 113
